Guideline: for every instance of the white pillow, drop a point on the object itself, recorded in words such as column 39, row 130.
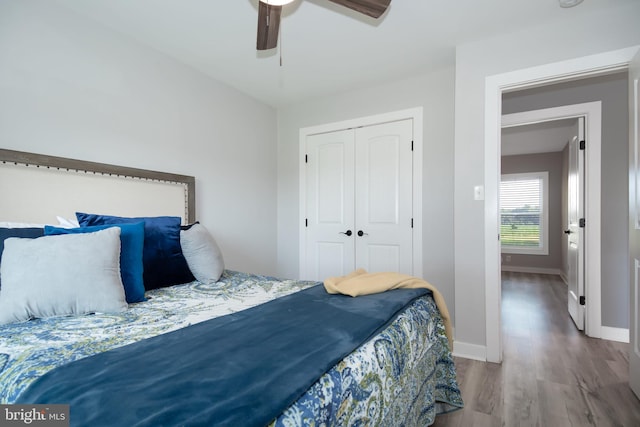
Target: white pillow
column 202, row 253
column 67, row 223
column 67, row 274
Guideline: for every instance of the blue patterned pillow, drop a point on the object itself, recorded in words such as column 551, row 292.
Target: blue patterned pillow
column 27, row 232
column 164, row 263
column 131, row 246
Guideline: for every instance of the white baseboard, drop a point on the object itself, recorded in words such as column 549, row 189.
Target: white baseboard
column 479, row 352
column 470, row 351
column 535, row 270
column 564, row 278
column 614, row 334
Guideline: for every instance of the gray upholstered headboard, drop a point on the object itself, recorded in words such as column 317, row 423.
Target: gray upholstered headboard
column 36, row 188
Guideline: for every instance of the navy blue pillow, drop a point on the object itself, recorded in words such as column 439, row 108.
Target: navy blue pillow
column 131, row 247
column 30, row 233
column 164, row 264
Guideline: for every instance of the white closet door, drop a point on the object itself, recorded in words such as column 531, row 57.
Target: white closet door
column 330, row 204
column 383, row 197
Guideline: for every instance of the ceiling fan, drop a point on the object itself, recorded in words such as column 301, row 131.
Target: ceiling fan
column 269, row 16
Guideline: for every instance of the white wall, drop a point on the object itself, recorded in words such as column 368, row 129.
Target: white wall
column 70, row 87
column 582, row 32
column 434, row 92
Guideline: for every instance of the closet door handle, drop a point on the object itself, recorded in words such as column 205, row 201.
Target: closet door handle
column 362, row 233
column 567, row 231
column 348, row 232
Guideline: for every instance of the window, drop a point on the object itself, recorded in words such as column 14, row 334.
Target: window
column 524, row 213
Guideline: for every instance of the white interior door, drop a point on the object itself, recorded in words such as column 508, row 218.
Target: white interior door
column 575, row 241
column 634, row 223
column 384, row 197
column 330, row 204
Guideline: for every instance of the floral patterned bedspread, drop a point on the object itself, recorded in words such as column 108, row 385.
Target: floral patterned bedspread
column 403, row 376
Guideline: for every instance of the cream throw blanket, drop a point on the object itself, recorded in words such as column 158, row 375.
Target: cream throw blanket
column 362, row 283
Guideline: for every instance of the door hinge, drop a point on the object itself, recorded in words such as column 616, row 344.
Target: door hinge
column 411, row 145
column 411, row 222
column 583, row 144
column 582, row 222
column 306, row 222
column 583, row 301
column 306, row 158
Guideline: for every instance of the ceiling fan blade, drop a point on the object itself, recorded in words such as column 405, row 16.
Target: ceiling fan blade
column 268, row 26
column 372, row 8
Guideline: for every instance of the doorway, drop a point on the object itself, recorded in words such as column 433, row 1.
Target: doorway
column 495, row 87
column 578, row 240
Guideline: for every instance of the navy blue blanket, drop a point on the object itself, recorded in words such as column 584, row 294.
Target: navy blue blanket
column 243, row 369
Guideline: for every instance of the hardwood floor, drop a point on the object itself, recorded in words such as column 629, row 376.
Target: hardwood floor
column 551, row 375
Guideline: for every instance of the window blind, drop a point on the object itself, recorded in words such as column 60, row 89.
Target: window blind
column 521, row 203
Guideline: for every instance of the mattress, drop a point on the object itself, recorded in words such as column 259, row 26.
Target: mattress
column 403, row 375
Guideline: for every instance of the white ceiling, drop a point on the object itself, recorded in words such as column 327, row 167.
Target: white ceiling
column 326, row 48
column 544, row 137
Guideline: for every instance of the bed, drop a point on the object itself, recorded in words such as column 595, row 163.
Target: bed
column 243, row 349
